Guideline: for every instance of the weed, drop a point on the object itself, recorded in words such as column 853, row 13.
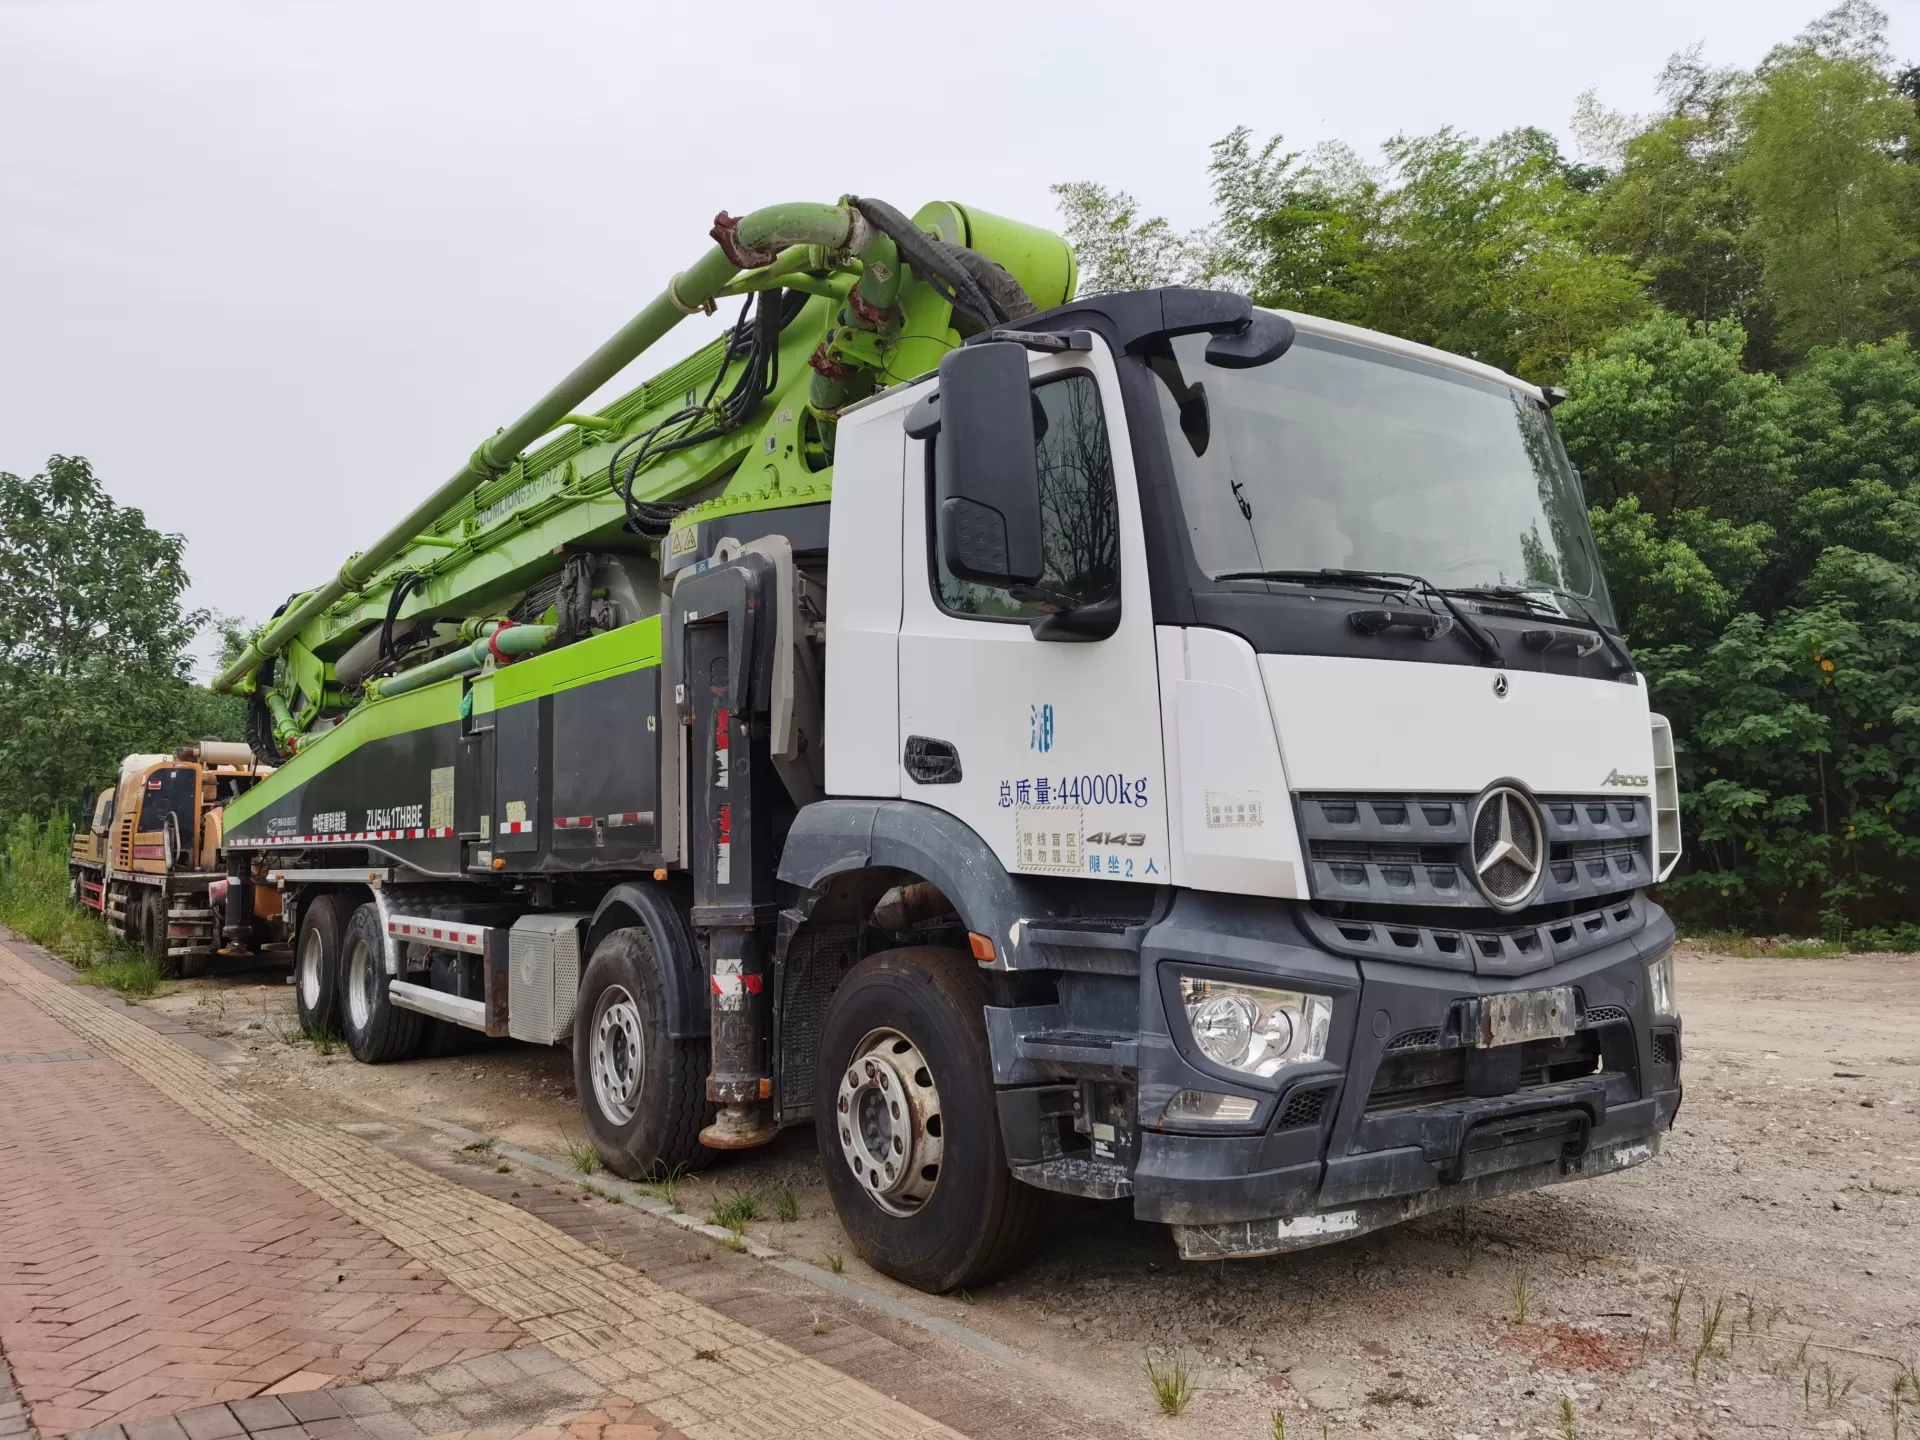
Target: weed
column 587, row 1187
column 1468, row 1239
column 666, row 1186
column 735, row 1244
column 786, row 1205
column 699, row 1255
column 503, row 1168
column 1674, row 1297
column 1279, row 1431
column 485, row 1142
column 138, row 977
column 835, row 1261
column 1520, row 1298
column 1566, row 1417
column 819, row 1326
column 1709, row 1332
column 585, row 1159
column 1646, row 1335
column 965, row 1297
column 735, row 1211
column 1173, row 1386
column 1806, row 1392
column 1800, row 1355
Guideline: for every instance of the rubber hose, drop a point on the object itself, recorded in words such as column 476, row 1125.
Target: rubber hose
column 930, row 256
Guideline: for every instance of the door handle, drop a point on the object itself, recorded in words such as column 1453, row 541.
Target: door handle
column 932, row 762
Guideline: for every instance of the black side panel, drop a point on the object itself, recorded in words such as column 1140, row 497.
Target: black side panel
column 518, row 816
column 606, row 767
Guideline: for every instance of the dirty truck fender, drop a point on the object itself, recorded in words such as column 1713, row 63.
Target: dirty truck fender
column 681, row 974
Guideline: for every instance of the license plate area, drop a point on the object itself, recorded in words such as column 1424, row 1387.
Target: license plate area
column 1523, row 1015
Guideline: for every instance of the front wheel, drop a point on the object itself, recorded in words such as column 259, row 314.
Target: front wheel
column 908, row 1126
column 377, row 1030
column 643, row 1093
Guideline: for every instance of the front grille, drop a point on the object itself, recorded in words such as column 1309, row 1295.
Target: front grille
column 1415, row 1040
column 1303, row 1107
column 1525, row 943
column 1416, row 849
column 1604, row 1015
column 1666, row 1047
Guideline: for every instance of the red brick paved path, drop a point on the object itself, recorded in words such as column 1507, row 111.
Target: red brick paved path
column 148, row 1265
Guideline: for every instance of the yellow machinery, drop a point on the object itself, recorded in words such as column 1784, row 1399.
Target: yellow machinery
column 149, row 858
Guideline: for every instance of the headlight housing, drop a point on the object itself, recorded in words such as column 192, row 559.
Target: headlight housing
column 1254, row 1030
column 1660, row 986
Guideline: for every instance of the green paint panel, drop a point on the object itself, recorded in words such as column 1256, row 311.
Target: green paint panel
column 614, row 652
column 417, row 710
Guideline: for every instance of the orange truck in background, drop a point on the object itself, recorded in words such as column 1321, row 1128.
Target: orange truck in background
column 149, row 859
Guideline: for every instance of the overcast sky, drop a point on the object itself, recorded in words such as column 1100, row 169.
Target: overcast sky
column 276, row 267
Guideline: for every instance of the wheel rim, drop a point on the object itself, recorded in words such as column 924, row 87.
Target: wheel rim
column 312, row 951
column 618, row 1054
column 892, row 1134
column 360, row 983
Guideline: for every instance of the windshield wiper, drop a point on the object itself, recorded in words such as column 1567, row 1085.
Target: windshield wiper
column 1525, row 594
column 1406, row 580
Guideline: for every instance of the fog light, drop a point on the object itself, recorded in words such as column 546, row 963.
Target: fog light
column 1206, row 1107
column 1660, row 988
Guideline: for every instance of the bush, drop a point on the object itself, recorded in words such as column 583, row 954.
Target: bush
column 36, row 903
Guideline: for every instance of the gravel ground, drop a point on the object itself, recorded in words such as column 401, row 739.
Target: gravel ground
column 1762, row 1277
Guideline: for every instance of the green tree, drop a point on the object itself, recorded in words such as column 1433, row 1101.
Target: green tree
column 1671, row 208
column 93, row 639
column 1834, row 216
column 1663, row 412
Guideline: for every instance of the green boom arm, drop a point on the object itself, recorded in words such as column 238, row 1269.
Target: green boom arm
column 878, row 322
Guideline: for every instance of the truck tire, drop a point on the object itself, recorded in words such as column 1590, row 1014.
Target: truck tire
column 153, row 936
column 908, row 1125
column 643, row 1094
column 377, row 1031
column 316, row 965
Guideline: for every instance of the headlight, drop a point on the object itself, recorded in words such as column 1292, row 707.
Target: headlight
column 1254, row 1030
column 1660, row 986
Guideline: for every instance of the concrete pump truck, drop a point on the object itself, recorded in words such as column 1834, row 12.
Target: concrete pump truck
column 1139, row 745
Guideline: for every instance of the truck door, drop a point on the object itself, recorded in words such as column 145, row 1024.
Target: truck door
column 1049, row 749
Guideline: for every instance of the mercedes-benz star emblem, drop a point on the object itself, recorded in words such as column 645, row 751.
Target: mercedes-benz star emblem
column 1507, row 846
column 1500, row 684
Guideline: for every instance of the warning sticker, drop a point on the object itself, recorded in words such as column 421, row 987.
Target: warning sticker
column 440, row 798
column 1233, row 810
column 1047, row 837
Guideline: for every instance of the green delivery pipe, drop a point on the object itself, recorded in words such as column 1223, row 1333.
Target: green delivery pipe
column 507, row 643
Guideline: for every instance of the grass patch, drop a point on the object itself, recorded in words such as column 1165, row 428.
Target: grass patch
column 836, row 1262
column 666, row 1186
column 138, row 977
column 36, row 898
column 1172, row 1386
column 786, row 1205
column 735, row 1211
column 1521, row 1295
column 325, row 1042
column 584, row 1158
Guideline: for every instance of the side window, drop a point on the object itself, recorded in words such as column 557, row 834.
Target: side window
column 1079, row 518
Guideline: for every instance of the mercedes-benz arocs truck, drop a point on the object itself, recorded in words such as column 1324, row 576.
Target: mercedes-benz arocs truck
column 1139, row 746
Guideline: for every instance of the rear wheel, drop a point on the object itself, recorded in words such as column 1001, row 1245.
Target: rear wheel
column 908, row 1126
column 153, row 936
column 643, row 1093
column 377, row 1031
column 316, row 965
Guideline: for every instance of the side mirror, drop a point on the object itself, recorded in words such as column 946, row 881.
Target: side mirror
column 987, row 476
column 1266, row 337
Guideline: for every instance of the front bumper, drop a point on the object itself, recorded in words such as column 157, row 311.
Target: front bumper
column 1326, row 1153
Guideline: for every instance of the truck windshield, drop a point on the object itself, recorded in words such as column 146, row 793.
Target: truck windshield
column 1343, row 456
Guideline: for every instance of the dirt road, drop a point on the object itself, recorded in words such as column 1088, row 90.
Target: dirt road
column 1761, row 1278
